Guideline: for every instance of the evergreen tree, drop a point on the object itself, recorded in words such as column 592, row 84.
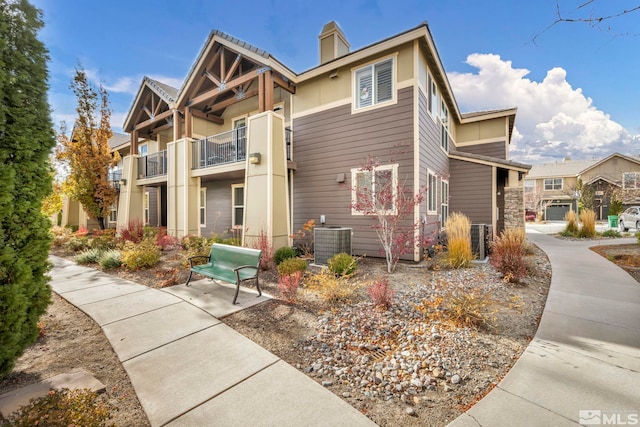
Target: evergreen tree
column 86, row 152
column 26, row 139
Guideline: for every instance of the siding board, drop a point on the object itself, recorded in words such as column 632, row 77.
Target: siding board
column 491, row 149
column 470, row 187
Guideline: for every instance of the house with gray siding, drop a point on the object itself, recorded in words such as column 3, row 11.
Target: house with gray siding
column 248, row 146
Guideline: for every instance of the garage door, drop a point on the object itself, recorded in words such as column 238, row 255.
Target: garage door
column 557, row 212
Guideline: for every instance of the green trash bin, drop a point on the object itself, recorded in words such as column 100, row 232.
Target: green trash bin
column 613, row 221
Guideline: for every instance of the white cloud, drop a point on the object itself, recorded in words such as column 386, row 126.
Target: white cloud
column 554, row 119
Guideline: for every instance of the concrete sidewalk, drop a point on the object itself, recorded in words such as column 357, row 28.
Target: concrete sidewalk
column 585, row 355
column 187, row 367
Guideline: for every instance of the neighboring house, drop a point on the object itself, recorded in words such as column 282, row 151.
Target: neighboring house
column 249, row 146
column 553, row 188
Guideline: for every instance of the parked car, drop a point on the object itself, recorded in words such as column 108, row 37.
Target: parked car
column 630, row 219
column 530, row 216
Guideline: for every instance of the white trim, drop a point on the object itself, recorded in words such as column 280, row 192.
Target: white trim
column 443, row 220
column 434, row 190
column 494, row 198
column 394, row 89
column 146, row 208
column 202, row 206
column 324, row 107
column 234, row 205
column 394, row 178
column 481, row 141
column 416, row 149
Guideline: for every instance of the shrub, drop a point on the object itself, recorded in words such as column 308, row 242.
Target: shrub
column 461, row 308
column 289, row 284
column 62, row 408
column 638, row 237
column 304, row 238
column 89, row 256
column 110, row 259
column 588, row 219
column 82, row 231
column 508, row 254
column 233, row 241
column 104, row 239
column 195, row 246
column 381, row 293
column 139, row 256
column 342, row 264
column 61, row 236
column 611, row 233
column 331, row 288
column 571, row 229
column 263, row 243
column 459, row 240
column 149, row 232
column 166, row 242
column 133, row 232
column 77, row 244
column 292, row 265
column 283, row 253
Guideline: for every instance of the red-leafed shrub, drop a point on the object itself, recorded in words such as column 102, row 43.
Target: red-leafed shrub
column 289, row 284
column 381, row 293
column 133, row 232
column 508, row 254
column 166, row 242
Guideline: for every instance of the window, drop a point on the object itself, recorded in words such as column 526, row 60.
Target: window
column 433, row 98
column 374, row 84
column 631, row 180
column 143, row 149
column 444, row 118
column 432, row 192
column 445, row 202
column 146, row 208
column 553, row 184
column 374, row 190
column 113, row 214
column 203, row 207
column 237, row 200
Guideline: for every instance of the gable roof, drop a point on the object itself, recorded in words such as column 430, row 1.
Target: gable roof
column 164, row 91
column 117, row 140
column 573, row 167
column 492, row 161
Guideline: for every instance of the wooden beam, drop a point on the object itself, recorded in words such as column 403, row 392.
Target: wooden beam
column 261, row 93
column 233, row 67
column 213, row 78
column 133, row 147
column 210, row 117
column 286, row 85
column 217, row 91
column 157, row 109
column 222, row 67
column 224, row 104
column 149, row 113
column 177, row 128
column 160, row 116
column 161, row 128
column 268, row 91
column 188, row 123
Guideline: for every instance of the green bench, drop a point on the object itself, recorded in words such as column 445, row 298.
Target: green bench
column 231, row 264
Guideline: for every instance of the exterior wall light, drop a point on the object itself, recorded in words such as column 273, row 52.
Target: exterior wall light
column 123, row 181
column 254, row 158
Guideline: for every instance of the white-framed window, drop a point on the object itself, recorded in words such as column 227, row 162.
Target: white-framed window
column 374, row 84
column 432, row 192
column 374, row 190
column 202, row 207
column 146, row 208
column 553, row 184
column 143, row 149
column 433, row 98
column 631, row 180
column 444, row 118
column 237, row 202
column 113, row 213
column 444, row 202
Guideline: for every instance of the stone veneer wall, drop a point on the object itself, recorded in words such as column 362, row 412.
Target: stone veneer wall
column 513, row 207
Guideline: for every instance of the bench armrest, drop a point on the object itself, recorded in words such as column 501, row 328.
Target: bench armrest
column 245, row 266
column 196, row 257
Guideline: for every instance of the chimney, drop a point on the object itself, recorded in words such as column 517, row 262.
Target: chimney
column 333, row 42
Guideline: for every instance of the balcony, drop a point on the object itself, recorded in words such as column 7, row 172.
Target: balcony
column 152, row 165
column 220, row 149
column 114, row 179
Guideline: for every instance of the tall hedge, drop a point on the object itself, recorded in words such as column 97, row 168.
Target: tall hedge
column 26, row 139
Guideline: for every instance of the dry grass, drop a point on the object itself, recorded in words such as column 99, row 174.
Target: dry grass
column 508, row 254
column 588, row 219
column 572, row 223
column 459, row 240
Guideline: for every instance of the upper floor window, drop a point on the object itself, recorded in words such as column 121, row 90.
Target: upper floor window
column 143, row 150
column 374, row 190
column 529, row 185
column 433, row 98
column 444, row 118
column 553, row 184
column 432, row 192
column 631, row 180
column 374, row 84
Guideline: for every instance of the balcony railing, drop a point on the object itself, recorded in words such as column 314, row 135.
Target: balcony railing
column 114, row 179
column 220, row 149
column 152, row 165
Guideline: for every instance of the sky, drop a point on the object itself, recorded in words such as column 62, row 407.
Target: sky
column 576, row 84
